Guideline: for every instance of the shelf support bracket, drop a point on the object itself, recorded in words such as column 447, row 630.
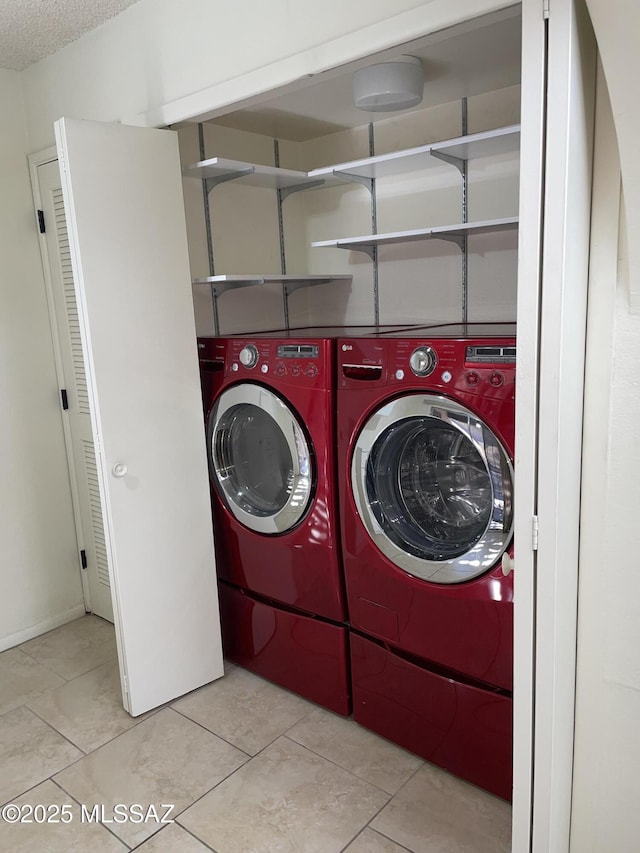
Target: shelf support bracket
column 458, row 162
column 354, row 247
column 459, row 239
column 291, row 286
column 355, row 179
column 296, row 188
column 212, row 183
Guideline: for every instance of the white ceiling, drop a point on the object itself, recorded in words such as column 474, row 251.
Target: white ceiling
column 466, row 60
column 33, row 29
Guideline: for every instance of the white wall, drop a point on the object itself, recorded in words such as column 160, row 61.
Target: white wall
column 418, row 282
column 159, row 52
column 607, row 747
column 40, row 572
column 617, row 24
column 421, row 281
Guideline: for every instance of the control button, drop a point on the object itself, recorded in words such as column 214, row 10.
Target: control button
column 249, row 356
column 472, row 379
column 234, row 366
column 496, row 379
column 399, row 374
column 446, row 376
column 311, row 370
column 295, row 370
column 265, row 368
column 423, row 361
column 281, row 369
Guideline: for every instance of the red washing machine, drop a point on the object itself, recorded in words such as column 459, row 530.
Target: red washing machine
column 271, row 446
column 425, row 438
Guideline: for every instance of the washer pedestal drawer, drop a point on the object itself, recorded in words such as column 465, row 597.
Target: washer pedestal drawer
column 464, row 729
column 303, row 654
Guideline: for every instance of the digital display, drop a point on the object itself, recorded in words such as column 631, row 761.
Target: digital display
column 297, row 351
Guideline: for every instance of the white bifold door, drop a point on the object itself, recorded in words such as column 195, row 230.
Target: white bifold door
column 123, row 202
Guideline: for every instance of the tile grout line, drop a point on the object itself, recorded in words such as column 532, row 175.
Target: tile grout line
column 57, row 731
column 388, row 838
column 377, row 832
column 148, row 715
column 36, row 694
column 184, row 829
column 373, row 829
column 233, row 773
column 209, row 732
column 79, row 804
column 47, row 666
column 344, row 769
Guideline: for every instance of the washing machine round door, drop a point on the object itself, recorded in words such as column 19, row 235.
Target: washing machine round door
column 259, row 458
column 434, row 488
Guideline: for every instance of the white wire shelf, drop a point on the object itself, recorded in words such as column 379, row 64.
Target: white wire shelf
column 221, row 169
column 240, row 280
column 222, row 283
column 442, row 232
column 502, row 140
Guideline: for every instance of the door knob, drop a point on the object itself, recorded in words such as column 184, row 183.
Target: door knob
column 119, row 469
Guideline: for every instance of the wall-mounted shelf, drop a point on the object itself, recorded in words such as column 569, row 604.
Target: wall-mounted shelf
column 247, row 280
column 502, row 140
column 220, row 169
column 441, row 232
column 456, row 152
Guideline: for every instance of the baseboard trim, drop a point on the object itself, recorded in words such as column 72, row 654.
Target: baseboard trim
column 41, row 628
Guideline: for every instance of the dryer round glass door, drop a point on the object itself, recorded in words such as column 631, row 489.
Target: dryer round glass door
column 434, row 488
column 259, row 458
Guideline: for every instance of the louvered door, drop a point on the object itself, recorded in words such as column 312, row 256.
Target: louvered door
column 82, row 462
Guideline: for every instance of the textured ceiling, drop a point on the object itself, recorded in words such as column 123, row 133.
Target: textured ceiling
column 33, row 29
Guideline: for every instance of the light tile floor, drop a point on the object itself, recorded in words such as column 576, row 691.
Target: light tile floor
column 248, row 767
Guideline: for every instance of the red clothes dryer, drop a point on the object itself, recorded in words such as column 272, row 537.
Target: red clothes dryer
column 271, row 446
column 425, row 437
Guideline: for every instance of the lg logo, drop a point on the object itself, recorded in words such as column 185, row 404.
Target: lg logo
column 346, row 347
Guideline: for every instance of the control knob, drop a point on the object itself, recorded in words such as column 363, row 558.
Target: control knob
column 423, row 361
column 249, row 355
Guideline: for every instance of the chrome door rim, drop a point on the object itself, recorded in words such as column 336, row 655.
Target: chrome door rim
column 292, row 512
column 486, row 552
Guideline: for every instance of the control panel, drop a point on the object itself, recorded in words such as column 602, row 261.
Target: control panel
column 304, row 363
column 484, row 367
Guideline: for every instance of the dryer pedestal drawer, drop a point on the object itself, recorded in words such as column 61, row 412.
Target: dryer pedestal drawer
column 305, row 655
column 464, row 729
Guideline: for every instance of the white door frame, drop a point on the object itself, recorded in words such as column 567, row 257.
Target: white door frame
column 565, row 272
column 552, row 310
column 41, row 158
